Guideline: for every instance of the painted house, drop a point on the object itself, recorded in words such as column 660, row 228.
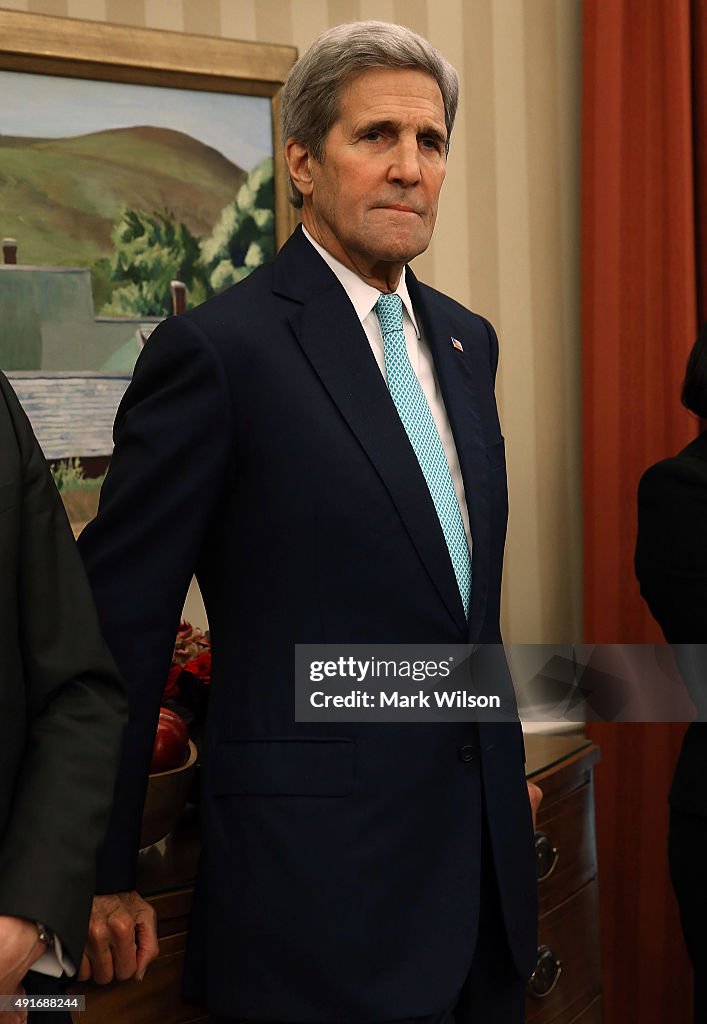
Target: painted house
column 69, row 368
column 72, row 414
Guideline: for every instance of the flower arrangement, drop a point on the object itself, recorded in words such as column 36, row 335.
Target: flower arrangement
column 189, row 678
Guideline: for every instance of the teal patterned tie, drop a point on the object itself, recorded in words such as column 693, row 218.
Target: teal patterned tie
column 414, row 411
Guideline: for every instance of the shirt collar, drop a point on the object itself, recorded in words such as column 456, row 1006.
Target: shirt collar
column 363, row 296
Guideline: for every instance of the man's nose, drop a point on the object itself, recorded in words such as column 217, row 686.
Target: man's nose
column 405, row 163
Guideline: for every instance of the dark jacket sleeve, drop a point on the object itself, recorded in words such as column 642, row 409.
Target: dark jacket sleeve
column 172, row 443
column 64, row 705
column 671, row 562
column 671, row 549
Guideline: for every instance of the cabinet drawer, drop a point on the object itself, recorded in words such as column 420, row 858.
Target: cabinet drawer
column 570, row 934
column 565, row 847
column 157, row 998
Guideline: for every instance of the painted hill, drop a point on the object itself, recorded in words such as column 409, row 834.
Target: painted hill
column 61, row 197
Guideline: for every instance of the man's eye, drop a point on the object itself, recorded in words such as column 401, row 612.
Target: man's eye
column 430, row 143
column 372, row 136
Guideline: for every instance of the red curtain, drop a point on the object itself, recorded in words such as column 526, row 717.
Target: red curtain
column 699, row 122
column 644, row 294
column 639, row 301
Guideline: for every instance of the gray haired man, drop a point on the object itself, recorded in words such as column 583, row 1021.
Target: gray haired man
column 349, row 487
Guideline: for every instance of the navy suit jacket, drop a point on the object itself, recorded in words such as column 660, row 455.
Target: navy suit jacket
column 258, row 446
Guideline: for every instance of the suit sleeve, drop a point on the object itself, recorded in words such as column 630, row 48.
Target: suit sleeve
column 171, row 454
column 74, row 709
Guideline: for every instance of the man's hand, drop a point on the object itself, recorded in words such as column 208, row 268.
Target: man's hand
column 122, row 939
column 15, row 1016
column 19, row 948
column 535, row 795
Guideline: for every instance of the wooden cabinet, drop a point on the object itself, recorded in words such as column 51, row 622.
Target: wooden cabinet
column 568, row 934
column 566, row 987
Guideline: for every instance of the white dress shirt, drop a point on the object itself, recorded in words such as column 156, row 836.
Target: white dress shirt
column 363, row 299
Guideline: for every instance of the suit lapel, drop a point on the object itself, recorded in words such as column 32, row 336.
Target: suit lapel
column 330, row 333
column 459, row 387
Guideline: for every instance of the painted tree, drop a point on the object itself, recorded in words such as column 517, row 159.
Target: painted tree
column 150, row 251
column 244, row 235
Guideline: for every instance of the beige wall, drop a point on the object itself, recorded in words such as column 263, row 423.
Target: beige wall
column 506, row 242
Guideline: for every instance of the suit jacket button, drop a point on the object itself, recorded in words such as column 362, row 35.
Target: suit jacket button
column 466, row 753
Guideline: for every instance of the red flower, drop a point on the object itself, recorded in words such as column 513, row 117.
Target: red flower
column 200, row 666
column 172, row 687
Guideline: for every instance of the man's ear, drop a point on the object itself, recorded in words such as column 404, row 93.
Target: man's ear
column 299, row 165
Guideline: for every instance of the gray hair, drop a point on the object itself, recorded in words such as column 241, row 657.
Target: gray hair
column 310, row 98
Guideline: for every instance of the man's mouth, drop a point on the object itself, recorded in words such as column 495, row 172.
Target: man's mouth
column 399, row 208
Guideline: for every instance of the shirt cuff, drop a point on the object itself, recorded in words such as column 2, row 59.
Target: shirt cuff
column 54, row 961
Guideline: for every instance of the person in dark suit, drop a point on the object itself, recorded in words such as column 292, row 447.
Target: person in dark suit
column 671, row 565
column 62, row 710
column 321, row 445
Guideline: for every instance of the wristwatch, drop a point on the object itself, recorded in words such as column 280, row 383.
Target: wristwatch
column 45, row 935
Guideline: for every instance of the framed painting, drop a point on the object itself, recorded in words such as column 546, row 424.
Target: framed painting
column 140, row 173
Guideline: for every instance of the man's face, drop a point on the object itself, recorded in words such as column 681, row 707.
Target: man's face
column 372, row 202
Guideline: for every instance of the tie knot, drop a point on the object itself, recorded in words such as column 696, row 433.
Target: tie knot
column 389, row 310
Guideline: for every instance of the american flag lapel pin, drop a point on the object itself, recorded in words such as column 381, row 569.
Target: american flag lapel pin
column 457, row 345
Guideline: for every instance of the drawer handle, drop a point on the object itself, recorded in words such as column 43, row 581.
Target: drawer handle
column 546, row 856
column 546, row 974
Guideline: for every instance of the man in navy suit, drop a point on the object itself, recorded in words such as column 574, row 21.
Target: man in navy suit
column 320, row 444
